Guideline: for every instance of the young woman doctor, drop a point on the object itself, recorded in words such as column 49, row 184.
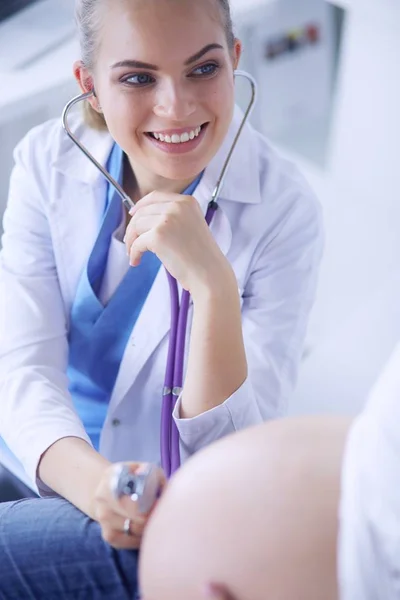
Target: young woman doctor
column 84, row 336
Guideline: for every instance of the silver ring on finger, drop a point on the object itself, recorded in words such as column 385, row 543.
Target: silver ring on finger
column 127, row 527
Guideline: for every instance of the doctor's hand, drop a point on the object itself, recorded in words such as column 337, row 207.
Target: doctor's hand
column 112, row 513
column 173, row 227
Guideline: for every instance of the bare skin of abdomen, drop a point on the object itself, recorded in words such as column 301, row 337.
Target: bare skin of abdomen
column 256, row 512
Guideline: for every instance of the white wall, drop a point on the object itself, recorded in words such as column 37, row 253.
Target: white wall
column 356, row 320
column 29, row 97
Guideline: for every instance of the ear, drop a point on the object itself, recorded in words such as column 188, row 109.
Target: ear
column 85, row 82
column 236, row 53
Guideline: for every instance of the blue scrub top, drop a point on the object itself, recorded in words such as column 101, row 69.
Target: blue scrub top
column 98, row 334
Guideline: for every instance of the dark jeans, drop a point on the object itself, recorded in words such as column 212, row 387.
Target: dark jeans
column 49, row 550
column 12, row 488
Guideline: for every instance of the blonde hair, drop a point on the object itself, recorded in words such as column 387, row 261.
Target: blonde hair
column 88, row 17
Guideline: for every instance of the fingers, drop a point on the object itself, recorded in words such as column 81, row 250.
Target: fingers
column 112, row 513
column 142, row 225
column 155, row 198
column 157, row 211
column 117, row 537
column 136, row 229
column 146, row 220
column 151, row 209
column 140, row 245
column 112, row 526
column 116, row 522
column 161, row 204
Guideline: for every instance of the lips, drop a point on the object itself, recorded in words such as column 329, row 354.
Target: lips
column 178, row 141
column 177, row 136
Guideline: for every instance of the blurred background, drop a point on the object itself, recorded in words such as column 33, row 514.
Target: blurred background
column 329, row 100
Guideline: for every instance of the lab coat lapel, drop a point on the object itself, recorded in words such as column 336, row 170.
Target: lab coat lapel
column 220, row 226
column 150, row 329
column 222, row 231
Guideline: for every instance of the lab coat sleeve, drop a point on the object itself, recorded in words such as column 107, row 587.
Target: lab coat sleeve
column 36, row 409
column 369, row 534
column 277, row 299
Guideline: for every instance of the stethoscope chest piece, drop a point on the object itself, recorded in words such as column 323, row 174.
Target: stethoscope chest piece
column 142, row 487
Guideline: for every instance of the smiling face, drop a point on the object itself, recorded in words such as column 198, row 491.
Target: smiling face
column 163, row 75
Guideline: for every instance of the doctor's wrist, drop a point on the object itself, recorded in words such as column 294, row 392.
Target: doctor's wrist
column 73, row 469
column 216, row 284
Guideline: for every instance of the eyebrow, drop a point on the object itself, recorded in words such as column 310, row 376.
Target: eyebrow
column 202, row 52
column 137, row 64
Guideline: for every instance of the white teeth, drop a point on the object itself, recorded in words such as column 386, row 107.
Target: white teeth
column 176, row 138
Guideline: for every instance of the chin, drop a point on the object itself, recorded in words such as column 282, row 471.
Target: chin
column 180, row 172
column 181, row 166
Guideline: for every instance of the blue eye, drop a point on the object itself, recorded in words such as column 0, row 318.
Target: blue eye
column 139, row 79
column 205, row 70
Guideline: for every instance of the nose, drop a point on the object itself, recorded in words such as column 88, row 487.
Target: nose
column 174, row 102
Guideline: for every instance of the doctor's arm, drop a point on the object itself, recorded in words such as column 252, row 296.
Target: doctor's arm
column 38, row 421
column 37, row 415
column 217, row 360
column 277, row 299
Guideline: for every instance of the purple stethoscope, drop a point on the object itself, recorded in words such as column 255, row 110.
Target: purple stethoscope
column 170, row 454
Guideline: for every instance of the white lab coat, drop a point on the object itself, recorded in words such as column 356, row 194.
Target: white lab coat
column 268, row 226
column 369, row 543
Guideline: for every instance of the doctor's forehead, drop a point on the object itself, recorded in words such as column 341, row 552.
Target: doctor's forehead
column 159, row 31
